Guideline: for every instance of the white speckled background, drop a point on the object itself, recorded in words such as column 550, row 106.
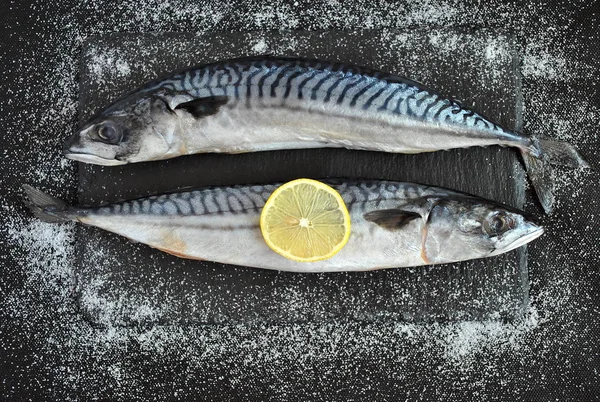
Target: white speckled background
column 49, row 352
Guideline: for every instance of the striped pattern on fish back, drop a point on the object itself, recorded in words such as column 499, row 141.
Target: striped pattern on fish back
column 314, row 85
column 216, row 200
column 251, row 199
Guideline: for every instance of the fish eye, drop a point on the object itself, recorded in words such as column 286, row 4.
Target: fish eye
column 109, row 133
column 497, row 224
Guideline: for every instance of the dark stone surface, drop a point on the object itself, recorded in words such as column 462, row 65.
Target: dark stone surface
column 179, row 291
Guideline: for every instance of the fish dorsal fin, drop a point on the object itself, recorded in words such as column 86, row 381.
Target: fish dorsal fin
column 201, row 107
column 391, row 219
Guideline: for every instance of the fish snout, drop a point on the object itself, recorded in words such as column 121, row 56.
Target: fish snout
column 72, row 145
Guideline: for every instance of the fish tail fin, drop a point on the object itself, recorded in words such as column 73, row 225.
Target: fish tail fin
column 539, row 157
column 560, row 153
column 541, row 178
column 45, row 207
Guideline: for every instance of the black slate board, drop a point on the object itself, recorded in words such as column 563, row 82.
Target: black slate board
column 120, row 283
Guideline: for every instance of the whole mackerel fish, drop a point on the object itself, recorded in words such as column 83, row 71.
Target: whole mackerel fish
column 393, row 225
column 259, row 104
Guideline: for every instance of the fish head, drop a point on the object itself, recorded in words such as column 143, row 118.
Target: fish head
column 463, row 229
column 137, row 128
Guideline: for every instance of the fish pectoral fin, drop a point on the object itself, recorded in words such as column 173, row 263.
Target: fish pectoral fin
column 391, row 219
column 172, row 98
column 202, row 107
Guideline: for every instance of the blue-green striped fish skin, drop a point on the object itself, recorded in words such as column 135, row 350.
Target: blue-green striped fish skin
column 393, row 225
column 258, row 104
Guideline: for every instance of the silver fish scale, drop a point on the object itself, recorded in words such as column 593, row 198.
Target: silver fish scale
column 299, row 83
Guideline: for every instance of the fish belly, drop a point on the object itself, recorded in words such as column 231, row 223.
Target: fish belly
column 263, row 127
column 236, row 239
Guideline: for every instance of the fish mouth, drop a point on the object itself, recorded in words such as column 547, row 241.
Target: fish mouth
column 532, row 234
column 93, row 159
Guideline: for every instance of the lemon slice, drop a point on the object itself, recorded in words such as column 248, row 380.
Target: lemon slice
column 306, row 221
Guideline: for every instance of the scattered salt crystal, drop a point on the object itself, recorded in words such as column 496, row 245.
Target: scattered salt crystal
column 260, row 46
column 108, row 64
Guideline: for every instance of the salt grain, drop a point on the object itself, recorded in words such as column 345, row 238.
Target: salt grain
column 108, row 64
column 260, row 47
